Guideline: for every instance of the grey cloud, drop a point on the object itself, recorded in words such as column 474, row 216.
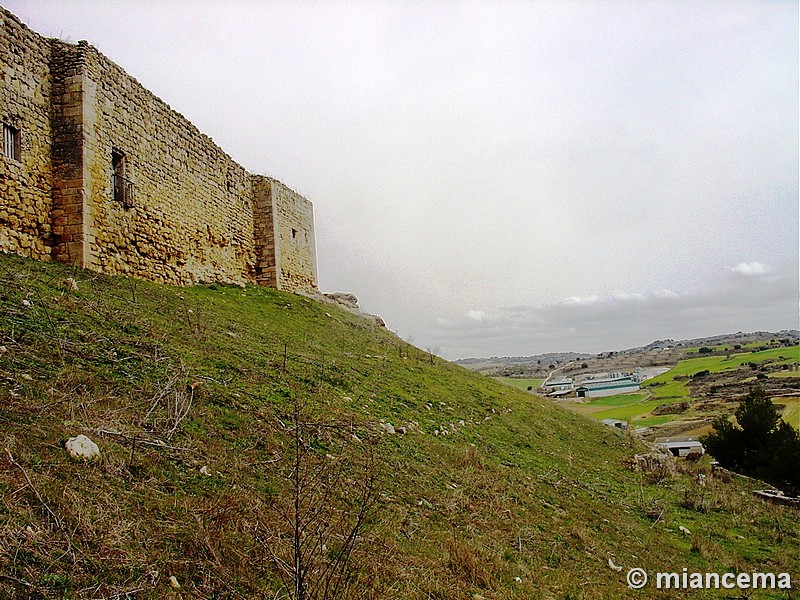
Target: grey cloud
column 622, row 320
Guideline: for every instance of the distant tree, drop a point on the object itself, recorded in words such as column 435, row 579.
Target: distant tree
column 705, row 350
column 584, row 366
column 762, row 445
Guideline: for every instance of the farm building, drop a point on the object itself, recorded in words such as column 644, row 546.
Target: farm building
column 558, row 385
column 680, row 445
column 612, row 384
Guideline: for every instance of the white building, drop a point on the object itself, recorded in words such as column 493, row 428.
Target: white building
column 680, row 445
column 610, row 384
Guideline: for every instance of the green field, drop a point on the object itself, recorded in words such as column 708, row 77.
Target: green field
column 791, row 414
column 629, row 412
column 603, row 404
column 715, row 364
column 671, row 387
column 666, row 387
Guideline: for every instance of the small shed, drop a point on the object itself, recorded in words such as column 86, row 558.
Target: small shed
column 681, row 445
column 615, row 423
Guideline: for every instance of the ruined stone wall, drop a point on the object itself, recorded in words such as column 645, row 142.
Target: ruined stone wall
column 112, row 179
column 191, row 217
column 25, row 184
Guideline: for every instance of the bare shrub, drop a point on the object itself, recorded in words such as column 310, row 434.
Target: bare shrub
column 170, row 405
column 331, row 495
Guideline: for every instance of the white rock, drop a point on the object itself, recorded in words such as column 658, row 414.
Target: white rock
column 71, row 284
column 388, row 427
column 518, row 579
column 346, row 299
column 173, row 582
column 684, row 530
column 81, row 447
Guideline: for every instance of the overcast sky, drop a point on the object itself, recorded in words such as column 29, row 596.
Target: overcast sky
column 503, row 178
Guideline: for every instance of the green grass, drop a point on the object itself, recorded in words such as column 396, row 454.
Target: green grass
column 791, row 412
column 628, row 412
column 618, row 400
column 485, row 486
column 653, row 421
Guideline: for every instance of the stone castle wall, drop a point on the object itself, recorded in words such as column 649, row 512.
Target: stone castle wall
column 112, row 179
column 294, row 238
column 191, row 217
column 25, row 185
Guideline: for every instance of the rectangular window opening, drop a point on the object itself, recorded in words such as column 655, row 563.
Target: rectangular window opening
column 11, row 149
column 123, row 187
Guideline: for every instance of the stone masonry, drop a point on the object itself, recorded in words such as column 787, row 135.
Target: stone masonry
column 107, row 176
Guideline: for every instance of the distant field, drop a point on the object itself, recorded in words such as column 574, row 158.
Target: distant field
column 636, row 408
column 791, row 414
column 631, row 412
column 723, row 347
column 520, row 384
column 666, row 387
column 610, row 402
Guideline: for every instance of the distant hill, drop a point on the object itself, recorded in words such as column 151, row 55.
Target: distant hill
column 238, row 425
column 656, row 353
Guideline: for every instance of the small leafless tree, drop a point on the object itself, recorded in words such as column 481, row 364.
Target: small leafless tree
column 332, row 491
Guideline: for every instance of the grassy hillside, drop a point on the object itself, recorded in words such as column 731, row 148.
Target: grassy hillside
column 209, row 404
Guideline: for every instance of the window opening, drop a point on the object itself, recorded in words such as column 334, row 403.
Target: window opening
column 123, row 187
column 10, row 142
